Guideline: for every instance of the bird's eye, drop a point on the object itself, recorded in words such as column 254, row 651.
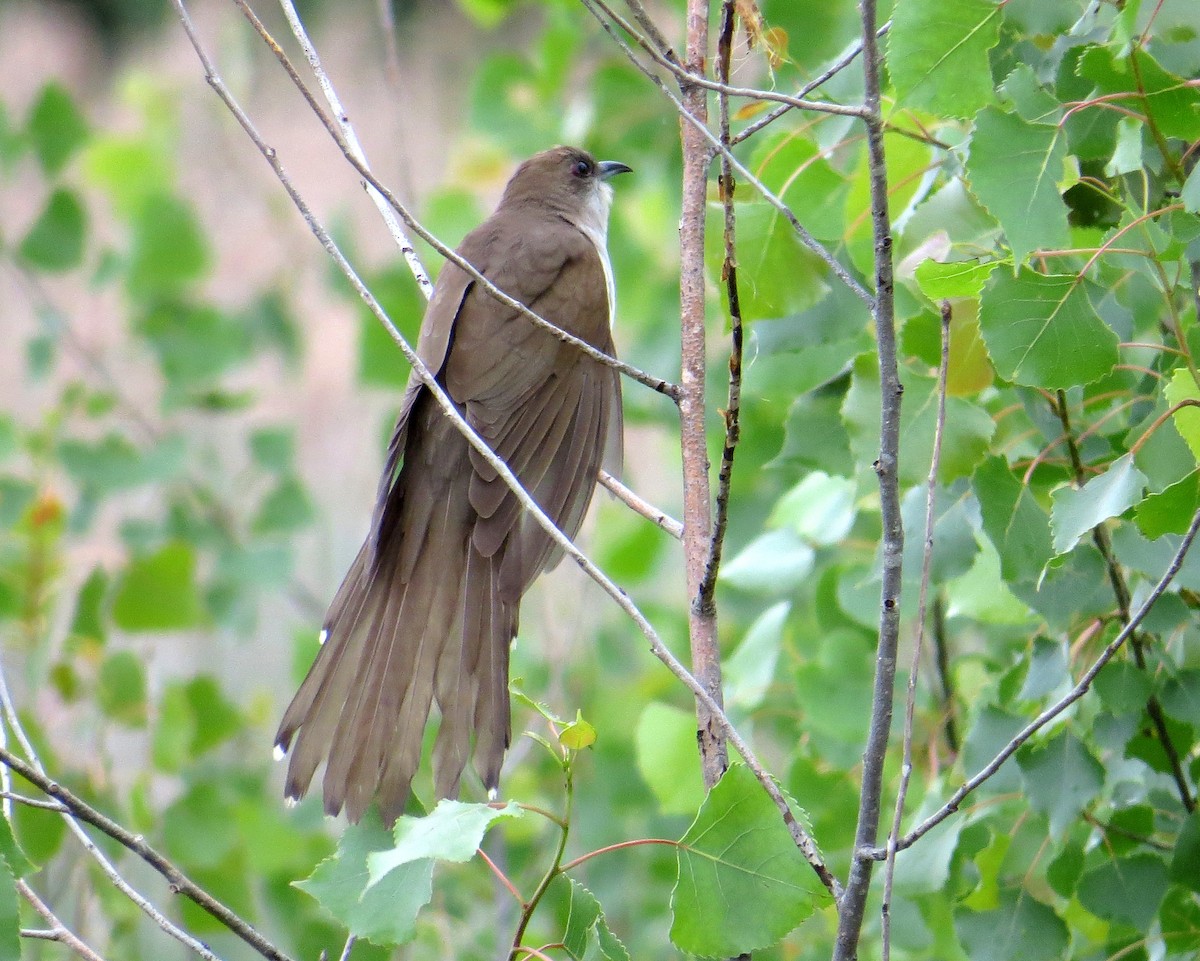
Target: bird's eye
column 582, row 168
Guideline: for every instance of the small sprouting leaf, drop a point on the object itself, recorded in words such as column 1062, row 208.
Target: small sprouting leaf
column 56, row 239
column 56, row 127
column 1042, row 330
column 1061, row 777
column 665, row 745
column 452, row 831
column 578, row 734
column 1013, row 169
column 158, row 592
column 1125, row 890
column 938, row 54
column 1075, row 512
column 738, row 852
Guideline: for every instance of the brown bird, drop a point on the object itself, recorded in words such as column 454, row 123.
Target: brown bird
column 428, row 610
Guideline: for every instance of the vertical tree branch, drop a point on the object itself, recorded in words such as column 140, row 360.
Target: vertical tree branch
column 854, row 899
column 697, row 518
column 910, row 703
column 732, row 413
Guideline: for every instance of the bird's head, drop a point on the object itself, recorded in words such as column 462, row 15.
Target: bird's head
column 569, row 180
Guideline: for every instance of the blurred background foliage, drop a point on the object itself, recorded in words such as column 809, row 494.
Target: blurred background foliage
column 195, row 405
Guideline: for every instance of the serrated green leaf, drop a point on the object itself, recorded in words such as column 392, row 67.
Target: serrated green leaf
column 1075, row 512
column 1173, row 103
column 738, row 852
column 964, row 278
column 1043, row 331
column 1020, row 926
column 56, row 127
column 1061, row 777
column 55, row 241
column 586, row 936
column 1125, row 890
column 1013, row 169
column 938, row 54
column 158, row 592
column 384, row 913
column 1170, row 510
column 665, row 746
column 1182, row 387
column 10, row 851
column 452, row 831
column 1013, row 520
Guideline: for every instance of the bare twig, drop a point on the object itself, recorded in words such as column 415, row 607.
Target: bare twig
column 657, row 647
column 923, row 595
column 732, row 412
column 33, row 802
column 641, row 506
column 858, row 883
column 349, row 946
column 394, row 203
column 1048, row 715
column 651, row 28
column 701, row 127
column 58, row 931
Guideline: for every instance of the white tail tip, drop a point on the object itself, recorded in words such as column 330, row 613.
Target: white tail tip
column 278, row 752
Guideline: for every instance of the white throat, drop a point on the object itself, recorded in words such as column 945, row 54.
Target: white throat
column 594, row 224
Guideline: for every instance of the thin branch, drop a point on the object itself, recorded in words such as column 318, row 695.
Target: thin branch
column 641, row 506
column 394, row 203
column 657, row 647
column 58, row 931
column 853, row 904
column 732, row 412
column 1048, row 715
column 945, row 676
column 33, row 802
column 910, row 703
column 837, row 67
column 646, row 23
column 37, row 775
column 806, row 238
column 349, row 946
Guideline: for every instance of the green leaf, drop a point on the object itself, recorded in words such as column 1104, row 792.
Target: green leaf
column 1048, row 669
column 737, row 853
column 586, row 936
column 1013, row 520
column 1061, row 778
column 751, row 668
column 1043, row 331
column 285, row 509
column 380, row 360
column 772, row 563
column 1181, row 387
column 113, row 463
column 273, row 448
column 121, row 688
column 1075, row 512
column 56, row 127
column 452, row 831
column 1014, row 168
column 384, row 913
column 795, row 170
column 1125, row 890
column 55, row 241
column 1180, row 697
column 964, row 278
column 1019, row 927
column 1172, row 102
column 10, row 851
column 1190, row 195
column 129, row 170
column 158, row 592
column 169, row 251
column 194, row 345
column 665, row 746
column 1186, row 857
column 1170, row 510
column 88, row 629
column 10, row 916
column 938, row 54
column 577, row 735
column 820, row 508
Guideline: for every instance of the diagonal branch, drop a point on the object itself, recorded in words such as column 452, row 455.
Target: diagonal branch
column 57, row 931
